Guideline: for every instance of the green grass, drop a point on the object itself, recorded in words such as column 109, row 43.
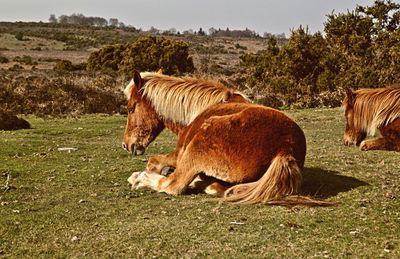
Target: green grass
column 78, row 204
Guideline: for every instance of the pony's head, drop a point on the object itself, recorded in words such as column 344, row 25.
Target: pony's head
column 353, row 134
column 143, row 123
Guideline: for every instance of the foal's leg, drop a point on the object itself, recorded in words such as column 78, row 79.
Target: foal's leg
column 390, row 139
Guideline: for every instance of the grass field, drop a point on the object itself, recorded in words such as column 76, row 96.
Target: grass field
column 64, row 194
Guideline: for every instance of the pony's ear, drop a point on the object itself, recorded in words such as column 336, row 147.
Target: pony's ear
column 351, row 96
column 160, row 71
column 137, row 79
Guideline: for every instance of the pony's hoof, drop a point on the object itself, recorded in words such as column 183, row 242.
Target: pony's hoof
column 364, row 146
column 131, row 179
column 135, row 180
column 167, row 170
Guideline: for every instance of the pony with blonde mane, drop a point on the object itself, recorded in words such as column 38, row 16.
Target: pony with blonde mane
column 176, row 103
column 369, row 110
column 244, row 152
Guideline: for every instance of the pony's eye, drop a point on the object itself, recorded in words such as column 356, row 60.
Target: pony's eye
column 131, row 109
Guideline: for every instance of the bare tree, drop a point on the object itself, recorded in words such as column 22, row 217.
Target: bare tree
column 113, row 22
column 53, row 18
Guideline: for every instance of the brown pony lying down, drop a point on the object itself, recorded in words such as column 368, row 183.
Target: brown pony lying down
column 256, row 150
column 368, row 110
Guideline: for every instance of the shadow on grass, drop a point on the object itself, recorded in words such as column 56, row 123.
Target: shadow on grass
column 327, row 183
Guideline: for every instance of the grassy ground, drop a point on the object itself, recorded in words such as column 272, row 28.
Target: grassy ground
column 58, row 202
column 8, row 41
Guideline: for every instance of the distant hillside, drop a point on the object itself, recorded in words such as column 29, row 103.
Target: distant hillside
column 32, row 54
column 47, row 43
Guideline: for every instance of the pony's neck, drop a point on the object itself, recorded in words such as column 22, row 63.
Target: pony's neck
column 176, row 128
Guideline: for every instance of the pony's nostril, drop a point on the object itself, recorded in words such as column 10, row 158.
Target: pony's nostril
column 124, row 146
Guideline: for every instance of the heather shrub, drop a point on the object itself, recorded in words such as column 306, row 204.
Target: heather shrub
column 59, row 94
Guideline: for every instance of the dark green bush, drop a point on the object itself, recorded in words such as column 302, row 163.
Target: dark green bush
column 27, row 60
column 144, row 54
column 238, row 46
column 359, row 49
column 3, row 59
column 107, row 58
column 19, row 36
column 16, row 67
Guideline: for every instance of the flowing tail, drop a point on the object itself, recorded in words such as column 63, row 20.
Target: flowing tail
column 276, row 187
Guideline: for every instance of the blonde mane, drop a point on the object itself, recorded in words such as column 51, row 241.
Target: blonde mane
column 180, row 100
column 374, row 108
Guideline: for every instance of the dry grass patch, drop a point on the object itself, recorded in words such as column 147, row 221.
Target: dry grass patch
column 10, row 42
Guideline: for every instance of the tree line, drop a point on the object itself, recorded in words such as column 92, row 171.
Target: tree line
column 80, row 19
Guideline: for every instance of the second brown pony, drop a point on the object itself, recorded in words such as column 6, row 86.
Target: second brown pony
column 369, row 110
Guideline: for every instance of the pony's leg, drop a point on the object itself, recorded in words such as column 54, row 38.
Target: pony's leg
column 162, row 164
column 176, row 183
column 145, row 179
column 390, row 139
column 373, row 144
column 215, row 189
column 134, row 180
column 199, row 184
column 208, row 185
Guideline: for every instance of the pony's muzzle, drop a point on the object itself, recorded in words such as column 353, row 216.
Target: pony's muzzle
column 134, row 149
column 137, row 150
column 355, row 139
column 347, row 142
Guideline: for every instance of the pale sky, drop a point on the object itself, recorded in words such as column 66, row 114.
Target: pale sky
column 274, row 16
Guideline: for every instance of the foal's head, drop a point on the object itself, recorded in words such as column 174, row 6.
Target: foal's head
column 353, row 133
column 143, row 123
